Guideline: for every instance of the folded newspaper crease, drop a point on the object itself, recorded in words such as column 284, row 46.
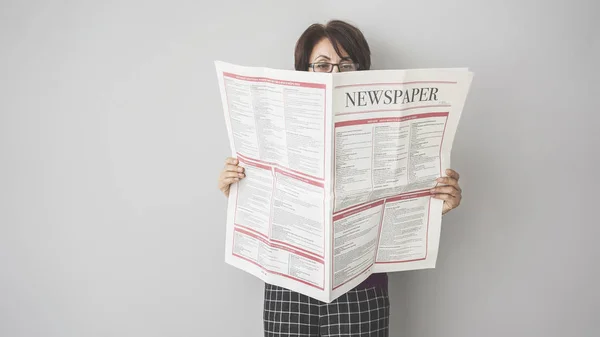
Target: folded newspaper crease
column 338, row 171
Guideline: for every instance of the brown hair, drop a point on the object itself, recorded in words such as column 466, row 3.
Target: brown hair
column 341, row 34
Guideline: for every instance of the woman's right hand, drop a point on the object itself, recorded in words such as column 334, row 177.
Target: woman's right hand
column 231, row 173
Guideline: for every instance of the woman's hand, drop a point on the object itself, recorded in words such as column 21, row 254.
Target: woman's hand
column 451, row 193
column 231, row 173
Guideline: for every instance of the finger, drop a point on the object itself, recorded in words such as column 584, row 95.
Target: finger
column 449, row 182
column 445, row 197
column 452, row 174
column 232, row 175
column 446, row 190
column 233, row 168
column 231, row 160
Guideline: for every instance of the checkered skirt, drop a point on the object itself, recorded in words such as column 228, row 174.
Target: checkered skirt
column 359, row 312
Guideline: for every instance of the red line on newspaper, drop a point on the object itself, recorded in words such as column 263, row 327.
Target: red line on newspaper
column 251, row 230
column 411, row 195
column 390, row 119
column 275, row 165
column 394, row 83
column 299, row 253
column 290, row 246
column 278, row 247
column 274, row 81
column 253, row 163
column 297, row 177
column 403, row 261
column 339, row 216
column 270, row 244
column 387, row 110
column 276, row 272
column 380, row 199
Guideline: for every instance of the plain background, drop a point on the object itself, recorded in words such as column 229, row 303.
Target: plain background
column 112, row 138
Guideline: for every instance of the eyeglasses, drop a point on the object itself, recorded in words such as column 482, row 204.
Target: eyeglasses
column 326, row 67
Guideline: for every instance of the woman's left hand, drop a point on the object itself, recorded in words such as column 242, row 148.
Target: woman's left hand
column 451, row 193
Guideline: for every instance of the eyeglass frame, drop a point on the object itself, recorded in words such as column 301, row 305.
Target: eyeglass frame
column 312, row 65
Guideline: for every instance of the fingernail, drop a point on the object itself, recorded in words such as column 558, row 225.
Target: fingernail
column 241, row 175
column 439, row 180
column 240, row 169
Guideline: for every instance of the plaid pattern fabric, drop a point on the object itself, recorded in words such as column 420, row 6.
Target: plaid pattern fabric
column 359, row 312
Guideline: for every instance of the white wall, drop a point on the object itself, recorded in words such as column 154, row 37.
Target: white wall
column 112, row 138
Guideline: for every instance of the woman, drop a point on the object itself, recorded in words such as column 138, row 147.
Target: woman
column 364, row 310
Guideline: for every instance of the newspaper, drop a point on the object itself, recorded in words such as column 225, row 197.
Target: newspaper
column 338, row 171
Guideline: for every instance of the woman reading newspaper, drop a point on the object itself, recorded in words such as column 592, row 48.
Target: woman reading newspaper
column 364, row 310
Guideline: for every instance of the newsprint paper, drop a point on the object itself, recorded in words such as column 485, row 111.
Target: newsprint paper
column 338, row 171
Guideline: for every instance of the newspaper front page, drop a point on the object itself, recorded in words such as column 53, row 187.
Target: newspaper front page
column 338, row 171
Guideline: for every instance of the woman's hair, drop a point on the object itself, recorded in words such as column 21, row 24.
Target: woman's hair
column 341, row 34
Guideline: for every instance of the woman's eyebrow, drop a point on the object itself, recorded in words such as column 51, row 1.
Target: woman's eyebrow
column 322, row 56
